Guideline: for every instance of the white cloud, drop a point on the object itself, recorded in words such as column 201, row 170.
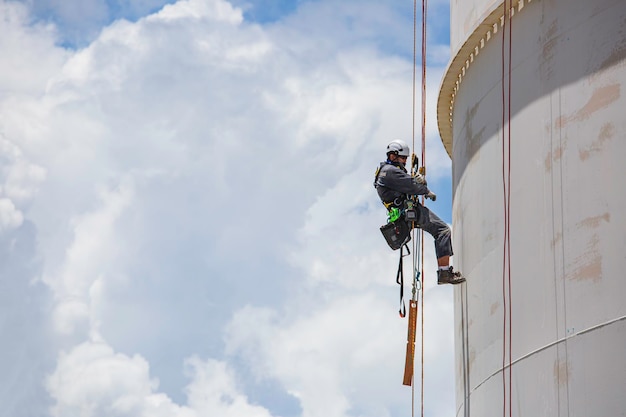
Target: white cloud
column 214, row 391
column 342, row 356
column 109, row 382
column 94, row 246
column 10, row 217
column 186, row 164
column 23, row 180
column 28, row 54
column 93, row 380
column 198, row 9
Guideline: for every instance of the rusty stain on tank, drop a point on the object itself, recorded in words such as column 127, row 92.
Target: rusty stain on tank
column 561, row 372
column 474, row 139
column 472, row 357
column 607, row 132
column 553, row 156
column 587, row 266
column 591, row 270
column 494, row 308
column 549, row 41
column 601, row 98
column 548, row 162
column 594, row 221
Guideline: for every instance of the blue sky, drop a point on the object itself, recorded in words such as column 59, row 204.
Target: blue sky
column 187, row 221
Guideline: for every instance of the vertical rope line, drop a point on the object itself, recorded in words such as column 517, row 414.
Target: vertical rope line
column 506, row 183
column 504, row 194
column 413, row 394
column 562, row 198
column 508, row 224
column 424, row 18
column 466, row 343
column 424, row 9
column 422, row 347
column 464, row 353
column 415, row 243
column 555, row 258
column 413, row 148
column 414, row 68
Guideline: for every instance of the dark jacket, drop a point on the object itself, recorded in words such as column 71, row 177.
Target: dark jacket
column 393, row 184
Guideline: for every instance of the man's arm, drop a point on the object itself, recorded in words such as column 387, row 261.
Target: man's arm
column 400, row 181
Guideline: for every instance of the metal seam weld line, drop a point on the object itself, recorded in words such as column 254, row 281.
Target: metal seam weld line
column 549, row 345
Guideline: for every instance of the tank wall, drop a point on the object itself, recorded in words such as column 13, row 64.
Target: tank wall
column 567, row 213
column 465, row 16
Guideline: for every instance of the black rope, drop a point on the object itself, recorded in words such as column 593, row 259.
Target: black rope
column 400, row 280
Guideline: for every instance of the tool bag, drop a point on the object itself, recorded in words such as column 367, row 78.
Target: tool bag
column 396, row 233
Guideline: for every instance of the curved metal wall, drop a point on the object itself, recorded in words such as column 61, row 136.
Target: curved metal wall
column 568, row 206
column 465, row 16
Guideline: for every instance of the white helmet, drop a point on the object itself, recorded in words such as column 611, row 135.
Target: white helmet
column 398, row 147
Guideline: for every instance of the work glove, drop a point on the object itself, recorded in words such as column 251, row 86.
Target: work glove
column 419, row 179
column 431, row 195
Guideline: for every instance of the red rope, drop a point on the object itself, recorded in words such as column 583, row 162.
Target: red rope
column 413, row 231
column 508, row 225
column 506, row 183
column 502, row 69
column 424, row 9
column 414, row 66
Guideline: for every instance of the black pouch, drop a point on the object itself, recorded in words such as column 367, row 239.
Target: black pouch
column 411, row 213
column 396, row 233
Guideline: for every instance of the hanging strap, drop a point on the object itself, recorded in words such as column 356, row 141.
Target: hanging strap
column 400, row 280
column 410, row 344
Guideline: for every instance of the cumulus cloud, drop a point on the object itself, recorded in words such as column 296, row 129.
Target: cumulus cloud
column 29, row 55
column 109, row 382
column 80, row 21
column 199, row 190
column 322, row 355
column 93, row 380
column 86, row 259
column 10, row 218
column 214, row 391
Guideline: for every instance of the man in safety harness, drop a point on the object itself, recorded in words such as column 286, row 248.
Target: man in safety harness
column 397, row 188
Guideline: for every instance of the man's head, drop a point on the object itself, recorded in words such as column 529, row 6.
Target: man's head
column 398, row 151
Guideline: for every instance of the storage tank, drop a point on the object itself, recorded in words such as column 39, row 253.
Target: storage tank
column 562, row 153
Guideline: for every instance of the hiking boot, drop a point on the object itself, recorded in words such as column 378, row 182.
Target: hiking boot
column 448, row 276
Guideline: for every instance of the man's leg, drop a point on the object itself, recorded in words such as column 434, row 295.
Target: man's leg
column 440, row 231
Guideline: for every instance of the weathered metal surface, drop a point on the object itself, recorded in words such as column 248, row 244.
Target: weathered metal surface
column 567, row 213
column 485, row 25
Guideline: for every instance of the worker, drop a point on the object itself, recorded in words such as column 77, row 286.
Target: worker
column 395, row 185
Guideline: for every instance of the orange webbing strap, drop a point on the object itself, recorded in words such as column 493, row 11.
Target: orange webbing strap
column 410, row 344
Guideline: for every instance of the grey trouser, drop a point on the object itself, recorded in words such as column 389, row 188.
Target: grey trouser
column 431, row 223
